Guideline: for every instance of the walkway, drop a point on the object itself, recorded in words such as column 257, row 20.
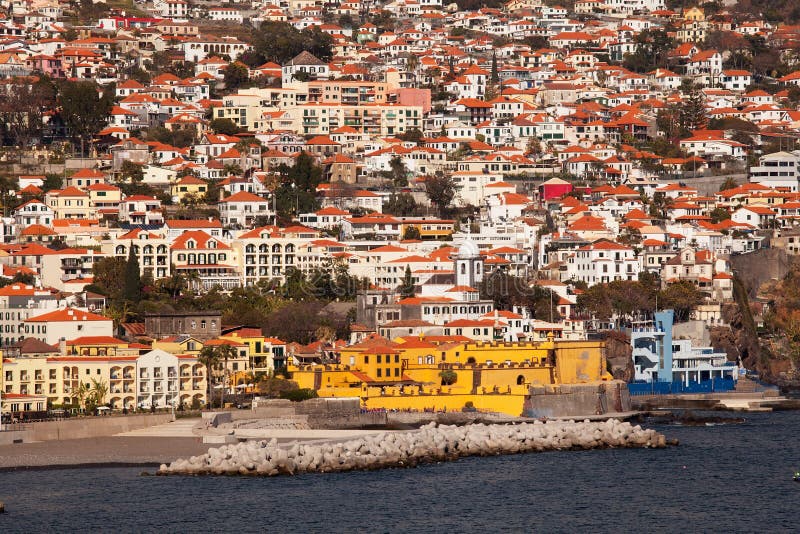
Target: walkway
column 180, row 428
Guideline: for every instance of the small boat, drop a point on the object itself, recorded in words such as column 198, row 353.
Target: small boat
column 796, row 477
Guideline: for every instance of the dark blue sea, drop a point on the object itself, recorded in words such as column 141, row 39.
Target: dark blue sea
column 725, row 478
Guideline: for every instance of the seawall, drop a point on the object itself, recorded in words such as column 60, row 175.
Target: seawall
column 578, row 400
column 83, row 427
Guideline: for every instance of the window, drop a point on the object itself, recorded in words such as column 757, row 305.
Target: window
column 379, row 373
column 366, row 359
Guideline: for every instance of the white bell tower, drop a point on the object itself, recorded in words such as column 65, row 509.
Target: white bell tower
column 469, row 264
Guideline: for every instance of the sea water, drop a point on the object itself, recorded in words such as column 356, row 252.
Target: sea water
column 722, row 478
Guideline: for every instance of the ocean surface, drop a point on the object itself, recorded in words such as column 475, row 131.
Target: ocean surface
column 723, row 478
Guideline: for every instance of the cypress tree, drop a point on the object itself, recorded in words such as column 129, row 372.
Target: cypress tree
column 133, row 282
column 495, row 76
column 407, row 288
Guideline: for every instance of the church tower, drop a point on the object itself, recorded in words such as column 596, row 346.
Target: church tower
column 469, row 265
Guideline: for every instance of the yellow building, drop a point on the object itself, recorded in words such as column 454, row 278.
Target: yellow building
column 99, row 346
column 694, row 13
column 417, row 374
column 188, row 187
column 70, row 203
column 179, row 345
column 429, row 229
column 265, row 353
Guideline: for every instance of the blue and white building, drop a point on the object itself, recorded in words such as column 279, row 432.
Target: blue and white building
column 659, row 359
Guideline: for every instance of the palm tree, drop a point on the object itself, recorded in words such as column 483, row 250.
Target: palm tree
column 119, row 313
column 99, row 391
column 80, row 394
column 209, row 357
column 224, row 353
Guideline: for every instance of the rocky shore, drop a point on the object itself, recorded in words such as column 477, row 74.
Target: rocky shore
column 431, row 443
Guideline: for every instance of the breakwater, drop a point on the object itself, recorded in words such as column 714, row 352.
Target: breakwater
column 430, row 443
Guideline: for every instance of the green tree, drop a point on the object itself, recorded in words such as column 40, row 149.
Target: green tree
column 413, row 135
column 440, row 189
column 98, row 392
column 108, row 272
column 683, row 297
column 83, row 109
column 280, row 42
column 398, row 172
column 52, row 181
column 223, row 126
column 411, row 233
column 275, row 387
column 729, row 183
column 693, row 111
column 225, row 353
column 80, row 394
column 719, row 214
column 132, row 172
column 449, row 377
column 22, row 109
column 209, row 358
column 299, row 395
column 132, row 291
column 407, row 287
column 652, row 50
column 402, row 205
column 298, row 190
column 236, row 76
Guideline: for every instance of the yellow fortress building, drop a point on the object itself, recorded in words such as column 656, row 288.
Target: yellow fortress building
column 419, row 374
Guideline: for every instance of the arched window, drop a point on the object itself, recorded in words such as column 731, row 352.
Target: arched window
column 463, row 269
column 120, row 249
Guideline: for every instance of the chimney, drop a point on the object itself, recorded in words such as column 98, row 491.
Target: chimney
column 62, row 346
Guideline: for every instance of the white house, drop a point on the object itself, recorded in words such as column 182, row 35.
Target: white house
column 243, row 208
column 33, row 212
column 779, row 169
column 603, row 261
column 69, row 323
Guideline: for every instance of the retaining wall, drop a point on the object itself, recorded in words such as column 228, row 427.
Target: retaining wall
column 578, row 400
column 93, row 427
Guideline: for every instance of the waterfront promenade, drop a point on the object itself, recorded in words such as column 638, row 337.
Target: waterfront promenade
column 146, row 446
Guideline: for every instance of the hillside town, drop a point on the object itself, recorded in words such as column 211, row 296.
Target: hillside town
column 200, row 197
